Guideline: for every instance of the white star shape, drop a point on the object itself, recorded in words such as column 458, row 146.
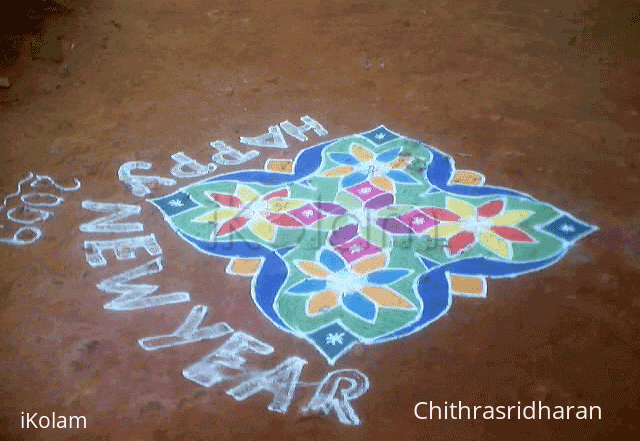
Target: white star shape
column 307, row 213
column 418, row 221
column 380, row 135
column 334, row 338
column 568, row 228
column 176, row 203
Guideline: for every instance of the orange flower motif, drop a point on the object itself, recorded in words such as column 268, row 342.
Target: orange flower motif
column 359, row 289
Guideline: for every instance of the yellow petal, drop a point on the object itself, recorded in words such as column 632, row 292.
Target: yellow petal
column 263, row 229
column 338, row 172
column 369, row 264
column 385, row 297
column 443, row 230
column 382, row 182
column 245, row 194
column 312, row 270
column 511, row 217
column 495, row 243
column 321, row 301
column 280, row 205
column 362, row 153
column 459, row 207
column 219, row 215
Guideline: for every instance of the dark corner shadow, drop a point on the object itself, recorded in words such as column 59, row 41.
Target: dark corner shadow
column 22, row 25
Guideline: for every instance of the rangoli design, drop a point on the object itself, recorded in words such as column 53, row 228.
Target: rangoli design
column 366, row 238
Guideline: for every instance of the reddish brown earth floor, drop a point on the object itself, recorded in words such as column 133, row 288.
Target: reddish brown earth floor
column 543, row 97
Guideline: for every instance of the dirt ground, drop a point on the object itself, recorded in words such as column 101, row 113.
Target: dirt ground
column 540, row 96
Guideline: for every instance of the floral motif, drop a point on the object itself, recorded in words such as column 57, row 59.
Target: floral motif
column 261, row 215
column 361, row 164
column 490, row 225
column 369, row 282
column 360, row 289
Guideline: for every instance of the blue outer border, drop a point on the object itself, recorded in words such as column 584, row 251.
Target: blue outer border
column 432, row 286
column 267, row 282
column 442, row 167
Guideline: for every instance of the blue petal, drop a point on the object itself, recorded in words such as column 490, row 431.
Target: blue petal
column 384, row 277
column 353, row 179
column 399, row 176
column 360, row 305
column 307, row 286
column 332, row 261
column 343, row 158
column 389, row 155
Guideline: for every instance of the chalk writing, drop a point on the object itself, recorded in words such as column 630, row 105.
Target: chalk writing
column 124, row 249
column 135, row 296
column 38, row 215
column 34, row 215
column 335, row 393
column 185, row 162
column 187, row 332
column 107, row 224
column 209, row 370
column 298, row 132
column 226, row 363
column 139, row 184
column 273, row 139
column 26, row 198
column 280, row 381
column 225, row 152
column 35, row 233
